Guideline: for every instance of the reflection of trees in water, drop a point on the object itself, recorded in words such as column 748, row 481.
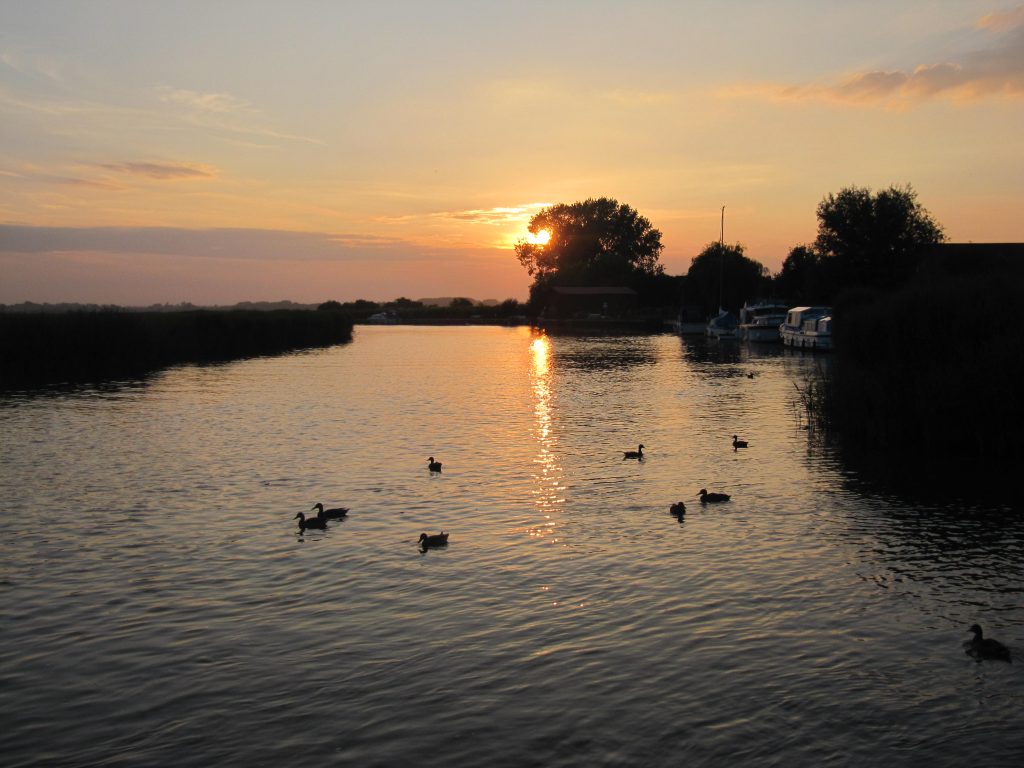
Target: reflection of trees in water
column 602, row 353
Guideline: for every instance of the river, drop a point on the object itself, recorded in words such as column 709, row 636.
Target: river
column 160, row 606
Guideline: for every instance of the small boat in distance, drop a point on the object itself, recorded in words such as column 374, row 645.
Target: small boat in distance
column 807, row 328
column 761, row 321
column 722, row 326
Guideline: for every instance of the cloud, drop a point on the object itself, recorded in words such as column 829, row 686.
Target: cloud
column 997, row 70
column 220, row 103
column 162, row 171
column 494, row 216
column 233, row 244
column 1002, row 21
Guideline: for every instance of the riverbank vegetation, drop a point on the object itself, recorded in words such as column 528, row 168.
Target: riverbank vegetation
column 39, row 349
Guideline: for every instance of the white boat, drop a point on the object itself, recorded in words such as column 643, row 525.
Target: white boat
column 761, row 321
column 383, row 318
column 807, row 328
column 722, row 326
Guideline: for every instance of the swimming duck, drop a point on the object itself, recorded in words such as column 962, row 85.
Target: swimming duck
column 710, row 498
column 330, row 514
column 433, row 540
column 433, row 466
column 737, row 443
column 981, row 647
column 313, row 522
column 678, row 509
column 637, row 454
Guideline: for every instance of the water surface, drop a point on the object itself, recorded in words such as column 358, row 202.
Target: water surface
column 160, row 607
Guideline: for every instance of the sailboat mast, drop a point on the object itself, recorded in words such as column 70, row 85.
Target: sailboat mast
column 721, row 260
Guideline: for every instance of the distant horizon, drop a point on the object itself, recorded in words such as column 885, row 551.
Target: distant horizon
column 365, row 151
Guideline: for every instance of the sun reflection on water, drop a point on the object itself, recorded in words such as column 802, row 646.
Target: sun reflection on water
column 547, row 474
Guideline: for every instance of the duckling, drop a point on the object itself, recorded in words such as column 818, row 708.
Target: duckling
column 434, row 540
column 330, row 514
column 433, row 466
column 678, row 509
column 313, row 522
column 981, row 647
column 710, row 498
column 637, row 454
column 737, row 443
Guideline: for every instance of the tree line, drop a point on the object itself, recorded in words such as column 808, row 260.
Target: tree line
column 866, row 241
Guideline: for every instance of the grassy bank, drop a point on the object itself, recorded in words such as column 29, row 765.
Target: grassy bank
column 38, row 349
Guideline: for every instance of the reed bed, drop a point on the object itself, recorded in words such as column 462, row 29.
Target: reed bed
column 41, row 349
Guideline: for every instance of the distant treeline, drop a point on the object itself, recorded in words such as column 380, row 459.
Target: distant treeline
column 408, row 310
column 930, row 374
column 47, row 348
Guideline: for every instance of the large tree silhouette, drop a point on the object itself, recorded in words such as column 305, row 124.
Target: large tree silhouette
column 721, row 275
column 597, row 242
column 873, row 240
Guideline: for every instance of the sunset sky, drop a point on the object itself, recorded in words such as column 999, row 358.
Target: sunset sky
column 216, row 152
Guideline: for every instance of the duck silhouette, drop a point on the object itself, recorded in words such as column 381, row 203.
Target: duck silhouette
column 712, row 498
column 981, row 647
column 637, row 454
column 311, row 522
column 678, row 509
column 330, row 514
column 737, row 443
column 433, row 540
column 433, row 466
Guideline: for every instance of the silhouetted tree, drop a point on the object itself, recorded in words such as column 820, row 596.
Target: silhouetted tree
column 803, row 278
column 461, row 302
column 330, row 306
column 721, row 275
column 873, row 240
column 598, row 242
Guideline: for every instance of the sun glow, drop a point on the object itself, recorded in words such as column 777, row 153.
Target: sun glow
column 538, row 238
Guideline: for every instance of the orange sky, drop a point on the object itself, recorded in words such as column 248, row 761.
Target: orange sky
column 194, row 152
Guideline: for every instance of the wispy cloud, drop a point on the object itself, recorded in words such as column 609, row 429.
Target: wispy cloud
column 222, row 243
column 162, row 171
column 997, row 70
column 494, row 216
column 224, row 112
column 219, row 103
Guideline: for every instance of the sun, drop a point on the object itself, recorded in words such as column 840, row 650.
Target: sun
column 540, row 238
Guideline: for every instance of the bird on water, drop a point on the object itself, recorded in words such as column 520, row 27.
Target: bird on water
column 678, row 509
column 433, row 466
column 433, row 540
column 312, row 522
column 737, row 443
column 711, row 498
column 330, row 514
column 637, row 454
column 981, row 647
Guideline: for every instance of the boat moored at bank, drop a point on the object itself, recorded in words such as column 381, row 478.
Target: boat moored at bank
column 807, row 328
column 760, row 321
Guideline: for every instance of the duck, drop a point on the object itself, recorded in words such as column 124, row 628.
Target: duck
column 433, row 466
column 737, row 443
column 678, row 509
column 637, row 454
column 330, row 514
column 433, row 540
column 981, row 647
column 711, row 498
column 312, row 522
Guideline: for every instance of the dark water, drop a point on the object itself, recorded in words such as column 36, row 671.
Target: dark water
column 160, row 608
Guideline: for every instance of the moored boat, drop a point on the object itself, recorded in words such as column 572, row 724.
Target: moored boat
column 807, row 328
column 761, row 321
column 722, row 326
